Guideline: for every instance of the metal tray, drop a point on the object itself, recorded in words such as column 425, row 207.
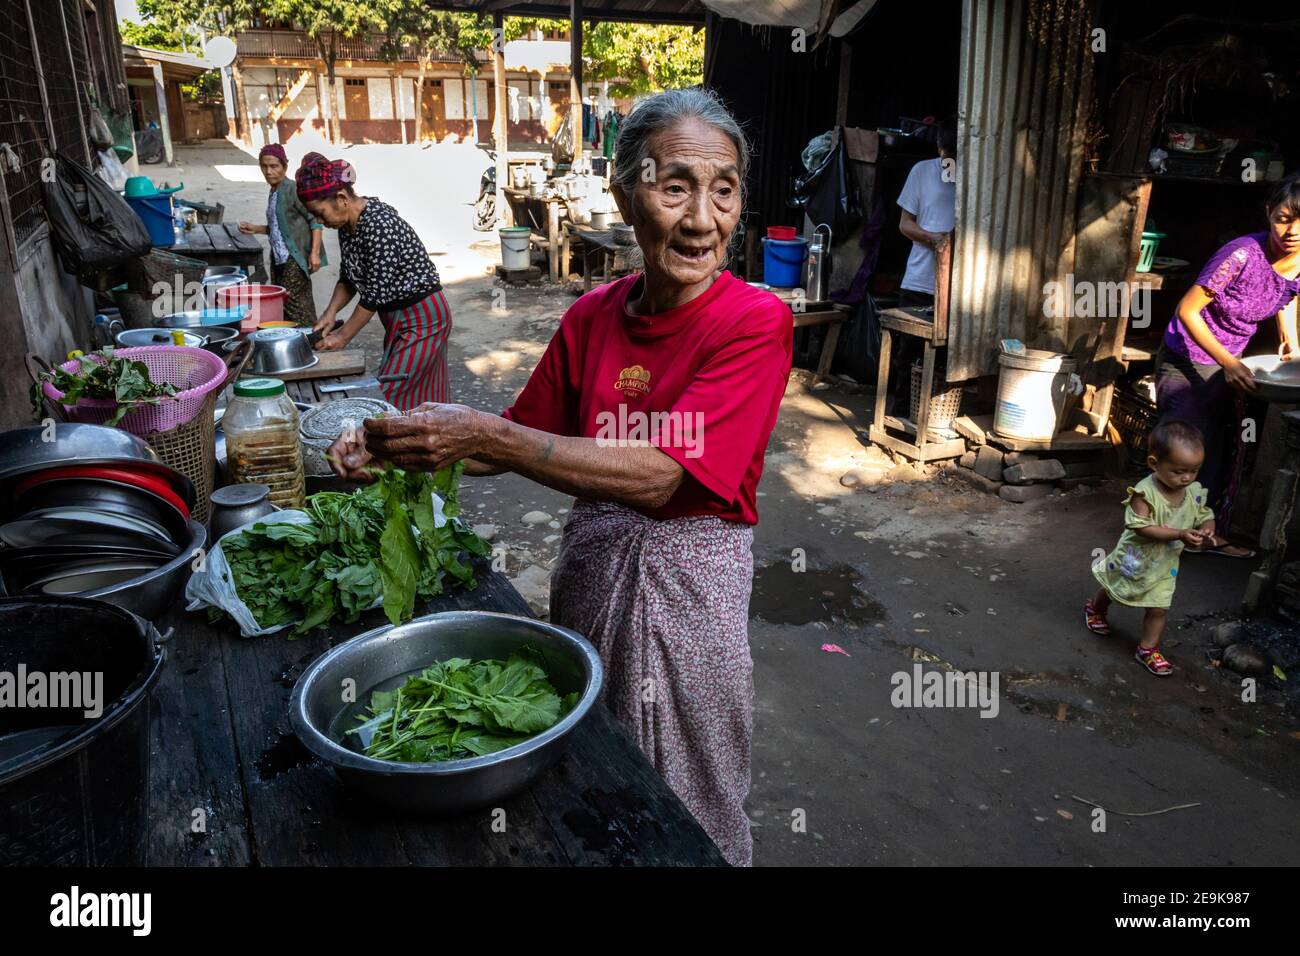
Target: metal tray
column 1278, row 381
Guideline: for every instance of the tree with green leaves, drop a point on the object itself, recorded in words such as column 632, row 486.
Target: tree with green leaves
column 643, row 57
column 429, row 32
column 207, row 18
column 326, row 22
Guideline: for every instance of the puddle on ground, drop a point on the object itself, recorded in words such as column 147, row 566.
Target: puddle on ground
column 782, row 595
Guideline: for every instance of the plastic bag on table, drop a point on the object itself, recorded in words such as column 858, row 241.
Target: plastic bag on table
column 213, row 587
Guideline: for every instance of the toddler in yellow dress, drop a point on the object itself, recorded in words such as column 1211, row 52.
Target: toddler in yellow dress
column 1166, row 511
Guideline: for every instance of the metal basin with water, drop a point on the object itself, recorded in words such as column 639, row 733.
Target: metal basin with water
column 383, row 658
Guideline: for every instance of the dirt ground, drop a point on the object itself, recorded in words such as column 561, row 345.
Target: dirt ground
column 903, row 569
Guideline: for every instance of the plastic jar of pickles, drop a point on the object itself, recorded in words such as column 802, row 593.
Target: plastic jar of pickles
column 262, row 442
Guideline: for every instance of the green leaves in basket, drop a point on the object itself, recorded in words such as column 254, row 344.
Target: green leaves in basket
column 102, row 375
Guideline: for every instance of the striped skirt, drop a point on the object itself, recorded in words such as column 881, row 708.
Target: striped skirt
column 666, row 603
column 415, row 342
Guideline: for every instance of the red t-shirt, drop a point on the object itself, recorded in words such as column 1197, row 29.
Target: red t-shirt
column 702, row 382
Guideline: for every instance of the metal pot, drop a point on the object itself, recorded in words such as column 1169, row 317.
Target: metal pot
column 218, row 336
column 213, row 271
column 151, row 595
column 26, row 450
column 131, row 338
column 383, row 658
column 203, row 319
column 601, row 219
column 212, row 284
column 236, row 505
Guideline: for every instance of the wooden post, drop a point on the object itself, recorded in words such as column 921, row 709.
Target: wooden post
column 846, row 73
column 501, row 125
column 399, row 110
column 161, row 92
column 575, row 76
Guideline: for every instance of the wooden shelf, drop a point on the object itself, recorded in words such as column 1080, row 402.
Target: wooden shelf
column 1061, row 441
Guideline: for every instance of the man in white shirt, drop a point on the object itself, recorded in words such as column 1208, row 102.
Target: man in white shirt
column 928, row 202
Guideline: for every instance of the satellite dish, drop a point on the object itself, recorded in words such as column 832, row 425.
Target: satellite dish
column 220, row 51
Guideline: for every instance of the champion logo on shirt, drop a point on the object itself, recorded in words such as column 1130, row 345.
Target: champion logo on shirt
column 633, row 380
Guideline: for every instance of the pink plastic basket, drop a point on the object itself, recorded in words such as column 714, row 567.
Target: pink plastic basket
column 194, row 372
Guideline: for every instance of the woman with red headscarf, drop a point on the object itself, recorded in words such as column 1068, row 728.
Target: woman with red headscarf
column 295, row 236
column 386, row 266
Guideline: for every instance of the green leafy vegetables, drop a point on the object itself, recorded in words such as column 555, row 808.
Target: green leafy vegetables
column 380, row 541
column 101, row 375
column 457, row 709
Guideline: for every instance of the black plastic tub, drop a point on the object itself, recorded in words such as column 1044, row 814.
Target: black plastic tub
column 74, row 789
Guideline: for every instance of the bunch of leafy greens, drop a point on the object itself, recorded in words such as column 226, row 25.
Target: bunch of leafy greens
column 380, row 541
column 102, row 375
column 458, row 709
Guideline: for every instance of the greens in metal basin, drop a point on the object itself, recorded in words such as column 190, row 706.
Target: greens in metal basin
column 457, row 709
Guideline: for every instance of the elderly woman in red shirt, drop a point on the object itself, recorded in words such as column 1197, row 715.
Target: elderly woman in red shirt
column 652, row 405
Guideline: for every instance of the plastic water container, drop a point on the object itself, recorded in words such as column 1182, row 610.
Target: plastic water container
column 1032, row 392
column 156, row 214
column 514, row 247
column 783, row 261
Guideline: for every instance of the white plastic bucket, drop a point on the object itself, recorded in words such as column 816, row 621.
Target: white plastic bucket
column 1032, row 391
column 514, row 247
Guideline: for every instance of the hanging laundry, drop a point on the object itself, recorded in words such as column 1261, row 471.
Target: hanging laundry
column 611, row 131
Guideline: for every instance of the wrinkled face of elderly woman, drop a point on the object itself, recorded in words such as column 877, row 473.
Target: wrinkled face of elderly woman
column 333, row 211
column 685, row 216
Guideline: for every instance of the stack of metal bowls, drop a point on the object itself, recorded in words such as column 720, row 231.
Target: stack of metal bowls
column 92, row 511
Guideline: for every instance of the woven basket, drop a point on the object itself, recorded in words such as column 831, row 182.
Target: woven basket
column 195, row 372
column 1133, row 417
column 945, row 403
column 192, row 450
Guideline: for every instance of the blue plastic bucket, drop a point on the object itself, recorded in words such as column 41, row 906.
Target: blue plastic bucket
column 783, row 261
column 156, row 214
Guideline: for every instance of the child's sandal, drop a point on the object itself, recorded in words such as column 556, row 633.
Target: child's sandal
column 1154, row 661
column 1095, row 621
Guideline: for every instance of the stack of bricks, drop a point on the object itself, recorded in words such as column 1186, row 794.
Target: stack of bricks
column 1023, row 476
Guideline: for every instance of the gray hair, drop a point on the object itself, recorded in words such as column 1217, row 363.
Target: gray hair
column 663, row 111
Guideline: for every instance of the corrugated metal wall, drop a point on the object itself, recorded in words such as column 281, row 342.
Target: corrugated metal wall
column 1024, row 99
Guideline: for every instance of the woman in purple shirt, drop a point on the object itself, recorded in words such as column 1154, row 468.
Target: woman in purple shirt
column 1200, row 377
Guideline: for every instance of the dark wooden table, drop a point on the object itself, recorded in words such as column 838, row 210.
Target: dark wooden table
column 593, row 244
column 222, row 244
column 224, row 754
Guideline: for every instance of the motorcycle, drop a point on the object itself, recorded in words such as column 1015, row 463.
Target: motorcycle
column 485, row 207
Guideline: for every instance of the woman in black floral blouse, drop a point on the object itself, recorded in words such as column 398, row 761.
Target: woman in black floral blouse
column 386, row 266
